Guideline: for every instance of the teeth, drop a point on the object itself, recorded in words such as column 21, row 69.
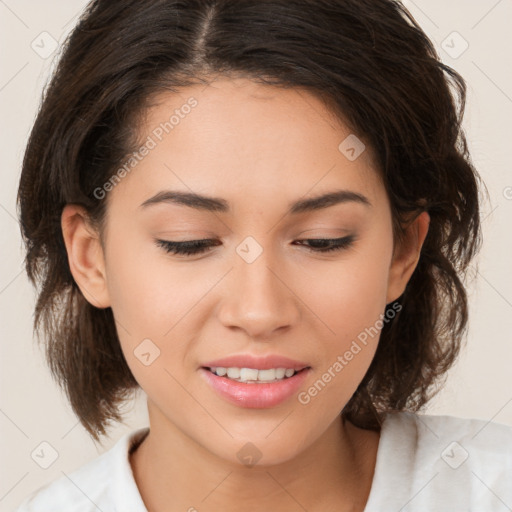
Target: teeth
column 234, row 373
column 280, row 373
column 246, row 374
column 252, row 375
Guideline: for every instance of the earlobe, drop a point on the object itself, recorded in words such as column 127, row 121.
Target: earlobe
column 406, row 258
column 85, row 255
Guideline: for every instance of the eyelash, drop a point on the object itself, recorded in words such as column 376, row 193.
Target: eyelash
column 192, row 247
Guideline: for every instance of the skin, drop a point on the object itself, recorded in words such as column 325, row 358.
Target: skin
column 259, row 148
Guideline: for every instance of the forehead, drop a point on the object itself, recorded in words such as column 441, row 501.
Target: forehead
column 235, row 136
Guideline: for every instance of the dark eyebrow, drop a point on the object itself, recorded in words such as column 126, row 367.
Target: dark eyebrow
column 326, row 200
column 217, row 204
column 197, row 201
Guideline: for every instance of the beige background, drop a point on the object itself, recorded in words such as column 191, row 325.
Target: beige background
column 33, row 409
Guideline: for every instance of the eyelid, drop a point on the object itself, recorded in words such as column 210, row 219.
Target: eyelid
column 201, row 246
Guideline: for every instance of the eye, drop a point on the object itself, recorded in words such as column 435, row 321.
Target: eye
column 329, row 244
column 190, row 247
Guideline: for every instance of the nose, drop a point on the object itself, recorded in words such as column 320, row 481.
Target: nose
column 258, row 299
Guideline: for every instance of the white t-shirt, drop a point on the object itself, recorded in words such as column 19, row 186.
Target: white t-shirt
column 424, row 463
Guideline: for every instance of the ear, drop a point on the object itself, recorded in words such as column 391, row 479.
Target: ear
column 406, row 256
column 85, row 255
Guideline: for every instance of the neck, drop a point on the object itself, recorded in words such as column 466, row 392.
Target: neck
column 173, row 472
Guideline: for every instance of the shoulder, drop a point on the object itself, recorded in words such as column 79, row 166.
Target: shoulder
column 105, row 483
column 447, row 462
column 463, row 440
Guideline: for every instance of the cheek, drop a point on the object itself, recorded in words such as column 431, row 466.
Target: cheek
column 147, row 300
column 350, row 301
column 349, row 294
column 144, row 302
column 147, row 292
column 154, row 299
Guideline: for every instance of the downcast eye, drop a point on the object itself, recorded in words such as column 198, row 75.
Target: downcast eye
column 191, row 247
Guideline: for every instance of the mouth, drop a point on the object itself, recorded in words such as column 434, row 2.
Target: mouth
column 254, row 375
column 254, row 388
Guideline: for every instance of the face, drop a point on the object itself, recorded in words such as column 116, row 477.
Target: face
column 264, row 283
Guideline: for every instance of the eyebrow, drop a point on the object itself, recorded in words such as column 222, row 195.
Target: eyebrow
column 217, row 204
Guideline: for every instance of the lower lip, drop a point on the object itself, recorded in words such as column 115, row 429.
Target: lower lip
column 255, row 396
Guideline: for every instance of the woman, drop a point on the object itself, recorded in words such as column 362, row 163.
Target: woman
column 260, row 213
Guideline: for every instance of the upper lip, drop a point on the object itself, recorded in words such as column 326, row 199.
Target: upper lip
column 256, row 362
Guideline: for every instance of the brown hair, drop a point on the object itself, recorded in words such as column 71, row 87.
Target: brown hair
column 368, row 60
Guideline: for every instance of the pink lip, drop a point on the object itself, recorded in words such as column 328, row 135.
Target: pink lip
column 258, row 363
column 256, row 396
